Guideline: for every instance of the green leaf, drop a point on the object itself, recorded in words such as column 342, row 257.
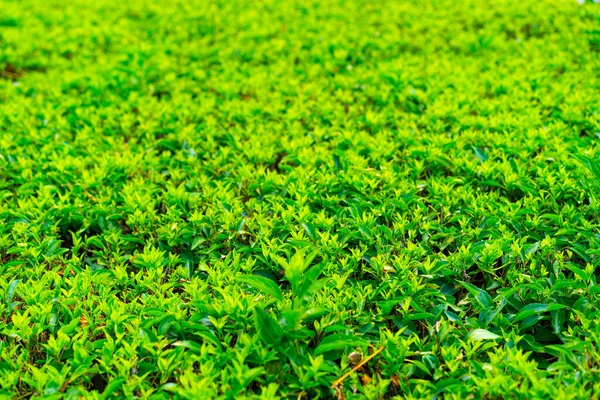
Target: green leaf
column 290, row 319
column 558, row 319
column 112, row 387
column 482, row 334
column 10, row 292
column 484, row 299
column 339, row 341
column 69, row 328
column 447, row 384
column 592, row 165
column 195, row 347
column 594, row 290
column 268, row 329
column 481, row 156
column 309, row 283
column 577, row 271
column 535, row 309
column 197, row 242
column 420, row 366
column 532, row 249
column 263, row 284
column 531, row 321
column 203, row 333
column 295, row 267
column 240, row 225
column 310, row 230
column 336, row 162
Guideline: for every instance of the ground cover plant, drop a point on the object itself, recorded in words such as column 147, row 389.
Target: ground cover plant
column 299, row 199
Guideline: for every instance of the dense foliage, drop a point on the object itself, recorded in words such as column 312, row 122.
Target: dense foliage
column 299, row 199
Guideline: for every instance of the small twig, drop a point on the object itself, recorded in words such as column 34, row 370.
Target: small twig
column 363, row 362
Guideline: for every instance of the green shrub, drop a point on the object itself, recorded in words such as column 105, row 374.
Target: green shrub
column 299, row 199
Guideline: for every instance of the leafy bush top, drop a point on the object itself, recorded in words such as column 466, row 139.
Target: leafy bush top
column 299, row 199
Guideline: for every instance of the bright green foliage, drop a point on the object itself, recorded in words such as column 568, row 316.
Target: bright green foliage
column 244, row 199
